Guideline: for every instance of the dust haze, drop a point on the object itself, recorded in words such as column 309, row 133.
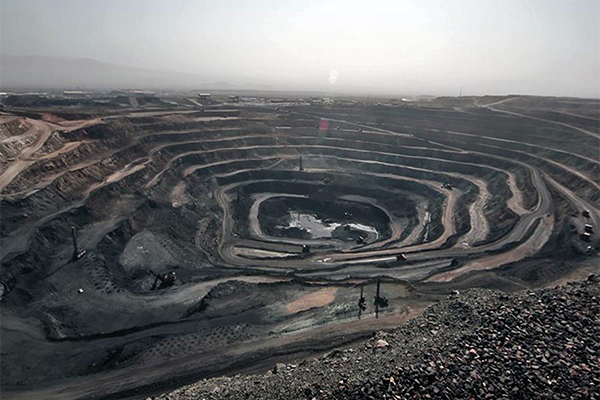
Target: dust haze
column 377, row 47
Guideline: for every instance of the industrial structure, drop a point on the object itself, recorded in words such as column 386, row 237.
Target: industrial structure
column 380, row 301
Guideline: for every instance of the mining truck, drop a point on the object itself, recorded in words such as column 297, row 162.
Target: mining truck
column 305, row 251
column 401, row 259
column 588, row 228
column 586, row 213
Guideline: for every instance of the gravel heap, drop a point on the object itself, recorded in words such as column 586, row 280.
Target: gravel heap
column 481, row 344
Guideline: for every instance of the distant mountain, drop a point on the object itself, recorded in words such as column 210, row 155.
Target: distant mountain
column 32, row 72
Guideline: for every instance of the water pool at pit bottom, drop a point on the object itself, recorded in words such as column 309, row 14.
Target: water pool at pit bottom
column 321, row 229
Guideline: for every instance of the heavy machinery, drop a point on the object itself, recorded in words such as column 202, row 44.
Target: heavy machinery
column 305, row 249
column 380, row 301
column 166, row 280
column 588, row 228
column 362, row 302
column 401, row 259
column 586, row 213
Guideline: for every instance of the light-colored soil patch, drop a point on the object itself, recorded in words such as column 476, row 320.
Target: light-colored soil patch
column 320, row 298
column 178, row 195
column 246, row 251
column 529, row 248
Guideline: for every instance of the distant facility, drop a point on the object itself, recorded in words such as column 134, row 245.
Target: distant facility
column 204, row 96
column 75, row 93
column 132, row 92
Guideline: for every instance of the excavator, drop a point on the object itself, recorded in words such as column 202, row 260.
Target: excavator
column 166, row 280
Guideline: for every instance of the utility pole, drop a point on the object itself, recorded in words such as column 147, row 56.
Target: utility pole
column 377, row 302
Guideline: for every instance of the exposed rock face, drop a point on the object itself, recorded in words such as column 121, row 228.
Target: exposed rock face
column 477, row 345
column 208, row 251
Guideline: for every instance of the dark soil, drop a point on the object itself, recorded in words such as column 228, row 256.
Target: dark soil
column 480, row 344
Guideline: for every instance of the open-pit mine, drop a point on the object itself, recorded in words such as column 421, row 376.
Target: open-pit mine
column 150, row 241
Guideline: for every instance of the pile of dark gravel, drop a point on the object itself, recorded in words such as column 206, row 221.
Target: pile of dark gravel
column 542, row 344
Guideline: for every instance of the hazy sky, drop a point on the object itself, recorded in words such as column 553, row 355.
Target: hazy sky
column 406, row 47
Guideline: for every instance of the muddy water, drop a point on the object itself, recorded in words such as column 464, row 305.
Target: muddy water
column 313, row 225
column 321, row 229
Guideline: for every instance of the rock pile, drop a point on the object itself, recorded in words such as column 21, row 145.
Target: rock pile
column 542, row 344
